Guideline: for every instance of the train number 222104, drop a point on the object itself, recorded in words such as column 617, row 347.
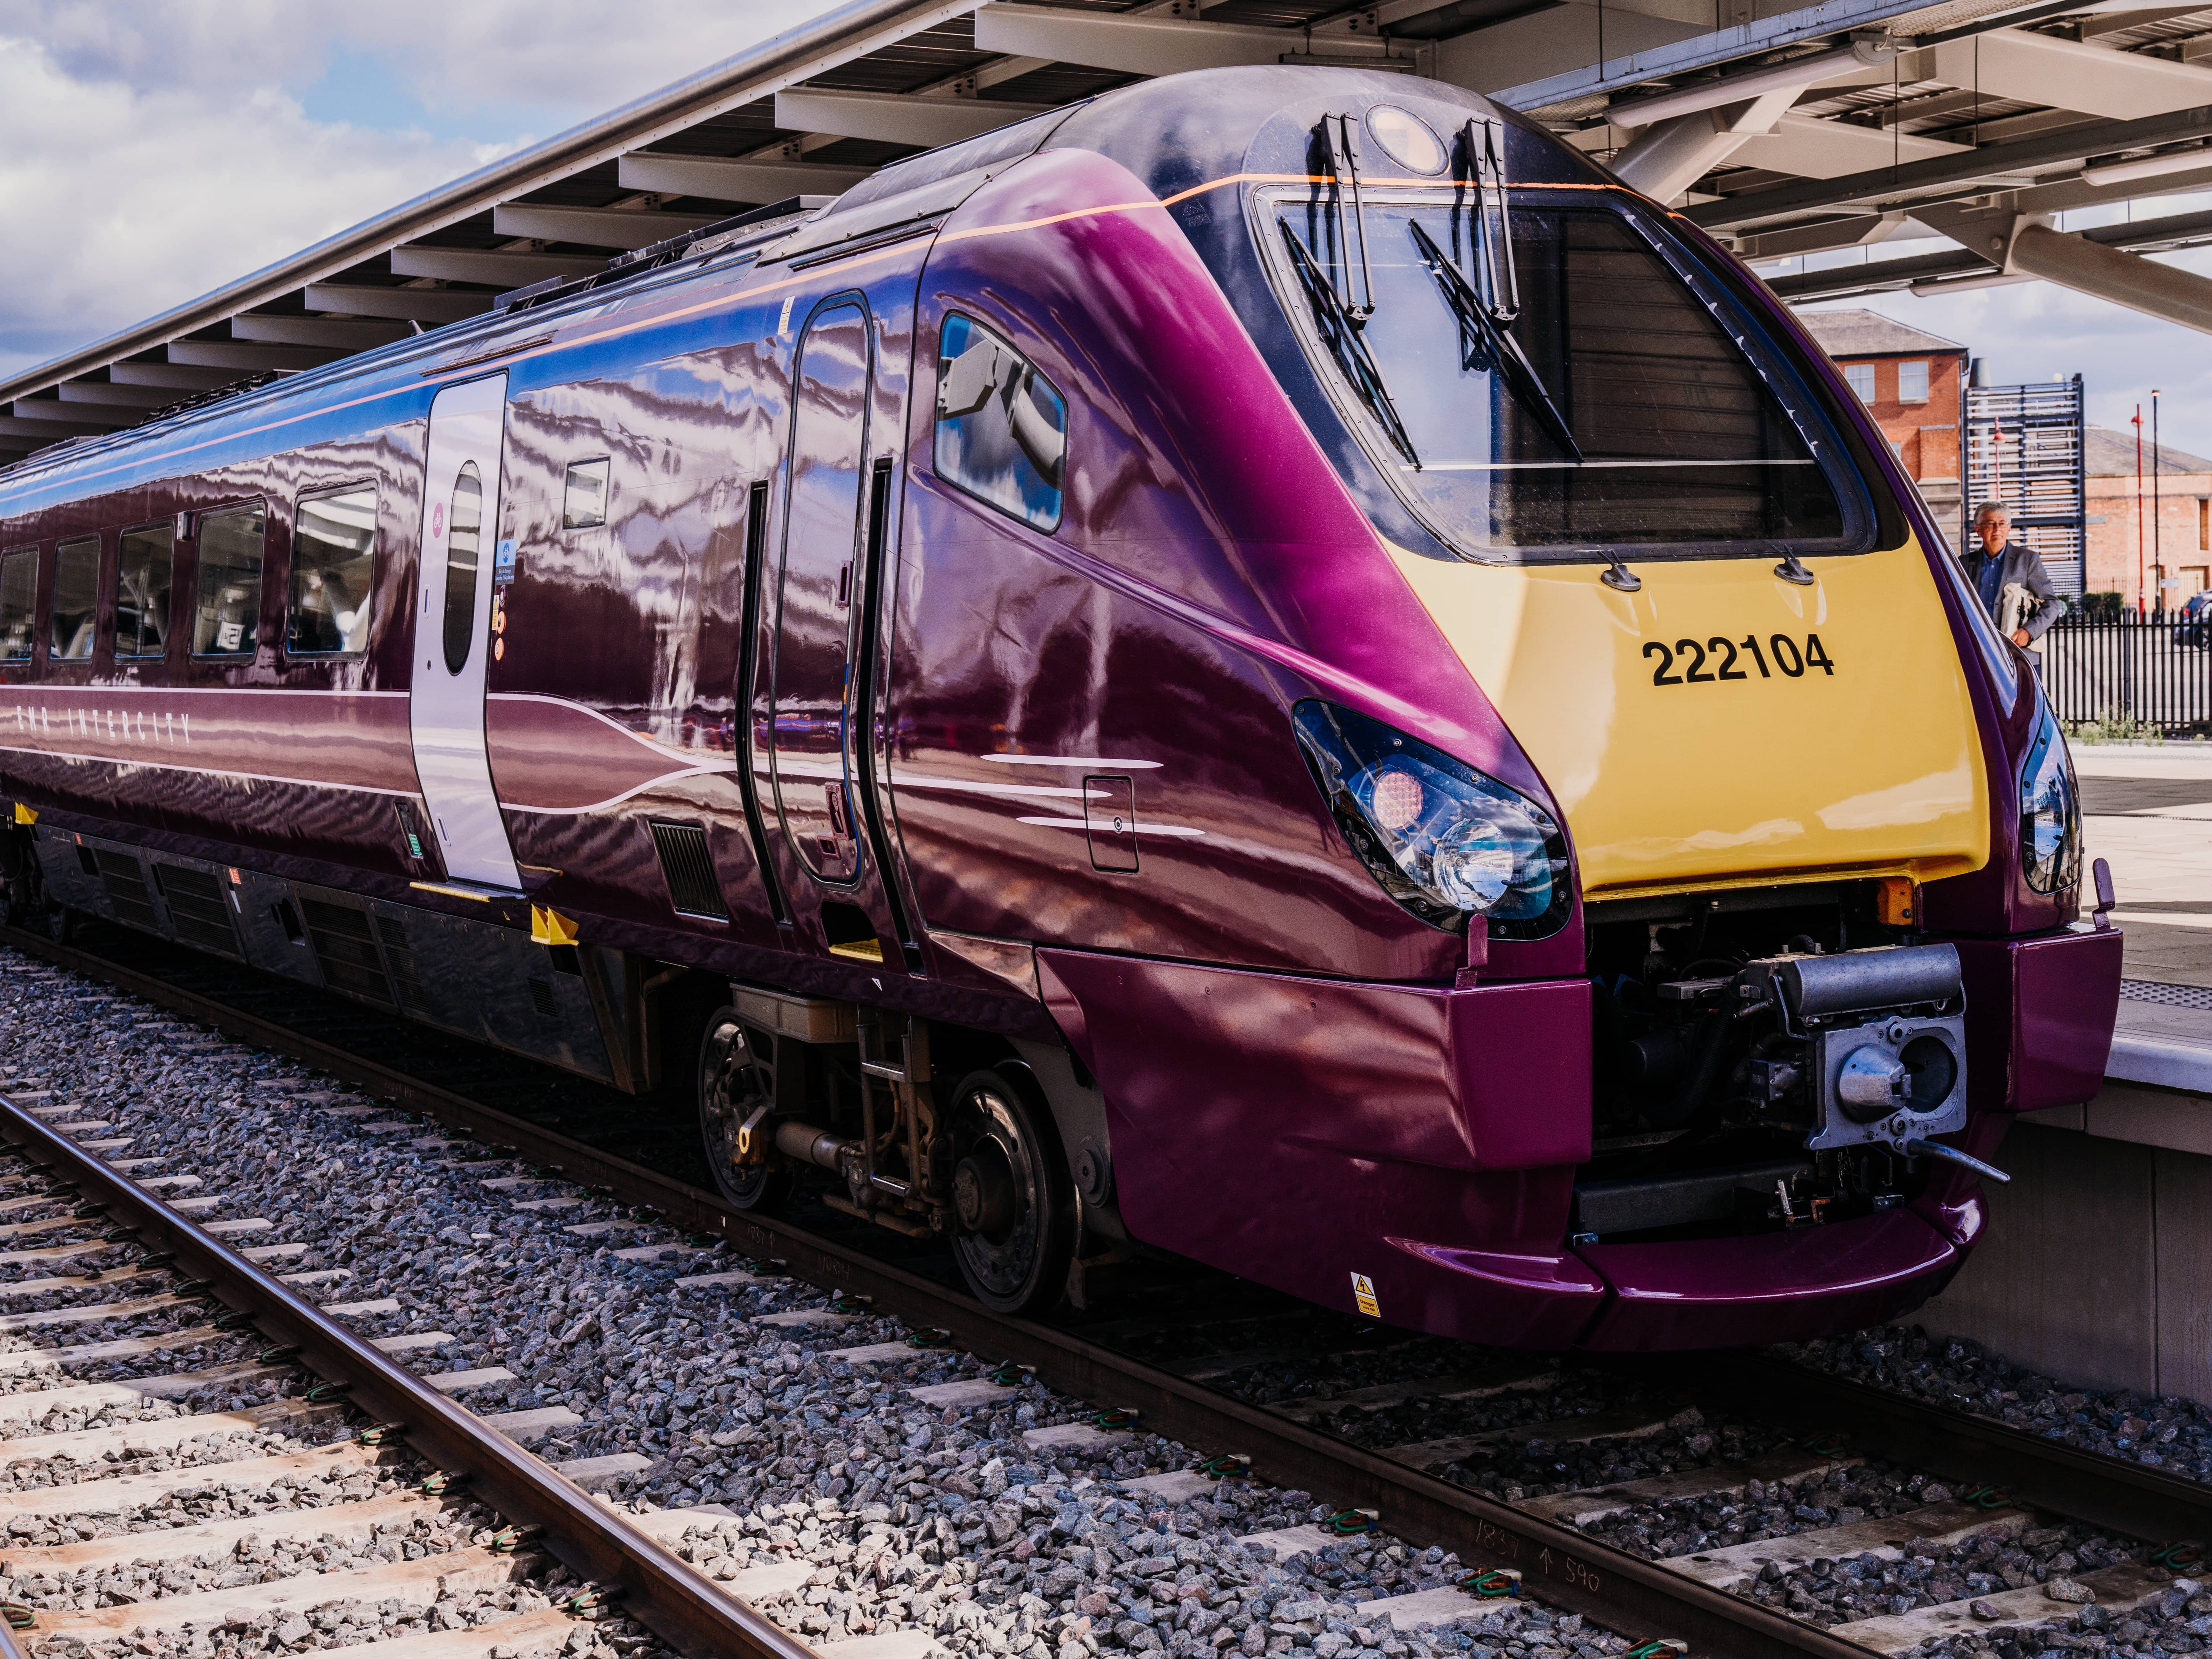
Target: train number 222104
column 1724, row 655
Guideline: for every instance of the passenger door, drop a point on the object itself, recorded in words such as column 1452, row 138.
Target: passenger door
column 834, row 517
column 453, row 623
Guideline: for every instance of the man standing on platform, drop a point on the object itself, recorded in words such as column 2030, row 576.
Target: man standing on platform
column 2010, row 576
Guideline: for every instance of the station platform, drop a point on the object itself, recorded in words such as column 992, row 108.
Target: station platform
column 2098, row 1264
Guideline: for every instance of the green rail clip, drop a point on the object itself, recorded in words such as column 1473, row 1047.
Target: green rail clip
column 1352, row 1524
column 1490, row 1585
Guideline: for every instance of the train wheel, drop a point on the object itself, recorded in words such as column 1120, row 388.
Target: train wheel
column 1011, row 1194
column 734, row 1082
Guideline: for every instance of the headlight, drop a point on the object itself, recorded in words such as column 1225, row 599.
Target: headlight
column 2050, row 812
column 1445, row 841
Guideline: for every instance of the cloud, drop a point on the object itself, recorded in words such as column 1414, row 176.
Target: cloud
column 121, row 203
column 152, row 152
column 575, row 54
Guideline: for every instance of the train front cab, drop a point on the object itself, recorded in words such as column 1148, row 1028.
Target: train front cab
column 1811, row 935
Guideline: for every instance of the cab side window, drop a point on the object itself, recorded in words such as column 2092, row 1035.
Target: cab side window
column 76, row 599
column 1001, row 427
column 142, row 563
column 18, row 593
column 333, row 569
column 227, row 602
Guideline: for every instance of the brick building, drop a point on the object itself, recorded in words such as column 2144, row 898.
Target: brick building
column 2121, row 546
column 1912, row 382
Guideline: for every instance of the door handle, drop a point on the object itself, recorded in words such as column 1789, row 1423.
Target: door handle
column 845, row 583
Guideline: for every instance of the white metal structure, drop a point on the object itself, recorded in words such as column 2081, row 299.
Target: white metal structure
column 1788, row 129
column 452, row 629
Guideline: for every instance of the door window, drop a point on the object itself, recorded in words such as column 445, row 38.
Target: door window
column 584, row 496
column 227, row 609
column 814, row 623
column 141, row 591
column 464, row 527
column 76, row 599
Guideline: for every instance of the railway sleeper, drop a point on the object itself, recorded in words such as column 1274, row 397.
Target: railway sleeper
column 1885, row 1539
column 2118, row 1589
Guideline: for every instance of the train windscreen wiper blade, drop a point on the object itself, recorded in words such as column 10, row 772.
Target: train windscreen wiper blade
column 1499, row 283
column 1520, row 377
column 1342, row 132
column 1346, row 341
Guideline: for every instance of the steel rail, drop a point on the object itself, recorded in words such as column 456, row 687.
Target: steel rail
column 646, row 1581
column 2129, row 1498
column 1558, row 1566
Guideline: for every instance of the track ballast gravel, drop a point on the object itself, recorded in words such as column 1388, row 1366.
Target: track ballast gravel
column 912, row 1516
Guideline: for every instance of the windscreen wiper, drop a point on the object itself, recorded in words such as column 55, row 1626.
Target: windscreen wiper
column 1494, row 225
column 1520, row 377
column 1346, row 342
column 1342, row 132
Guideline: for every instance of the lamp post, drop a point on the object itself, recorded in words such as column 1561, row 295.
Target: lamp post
column 2157, row 559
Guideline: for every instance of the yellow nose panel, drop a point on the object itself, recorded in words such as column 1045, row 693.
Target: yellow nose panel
column 1723, row 724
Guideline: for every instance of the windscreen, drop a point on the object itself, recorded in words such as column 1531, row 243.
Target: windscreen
column 1613, row 410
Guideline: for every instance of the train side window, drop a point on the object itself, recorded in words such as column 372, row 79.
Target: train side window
column 143, row 561
column 584, row 496
column 333, row 566
column 226, row 605
column 76, row 599
column 1001, row 427
column 19, row 595
column 463, row 529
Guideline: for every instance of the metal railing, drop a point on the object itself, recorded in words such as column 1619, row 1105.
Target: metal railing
column 2154, row 671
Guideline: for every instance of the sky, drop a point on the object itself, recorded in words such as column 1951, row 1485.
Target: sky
column 151, row 150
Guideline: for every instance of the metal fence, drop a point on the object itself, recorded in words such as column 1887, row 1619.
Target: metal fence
column 2155, row 671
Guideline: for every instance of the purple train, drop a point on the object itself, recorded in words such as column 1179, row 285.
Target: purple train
column 1270, row 667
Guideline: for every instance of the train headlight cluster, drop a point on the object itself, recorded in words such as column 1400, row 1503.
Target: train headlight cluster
column 2050, row 811
column 1444, row 840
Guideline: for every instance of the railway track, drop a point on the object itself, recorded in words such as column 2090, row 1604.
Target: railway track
column 446, row 1514
column 1535, row 1545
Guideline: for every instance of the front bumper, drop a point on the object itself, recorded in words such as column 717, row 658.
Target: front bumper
column 1416, row 1147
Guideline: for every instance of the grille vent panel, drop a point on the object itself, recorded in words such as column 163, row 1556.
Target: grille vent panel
column 347, row 950
column 198, row 908
column 689, row 866
column 399, row 957
column 126, row 881
column 541, row 998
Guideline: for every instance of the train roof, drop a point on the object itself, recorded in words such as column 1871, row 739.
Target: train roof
column 1249, row 121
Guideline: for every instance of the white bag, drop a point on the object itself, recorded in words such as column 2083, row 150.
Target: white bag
column 2015, row 604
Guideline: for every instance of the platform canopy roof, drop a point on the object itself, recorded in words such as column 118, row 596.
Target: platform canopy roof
column 1785, row 129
